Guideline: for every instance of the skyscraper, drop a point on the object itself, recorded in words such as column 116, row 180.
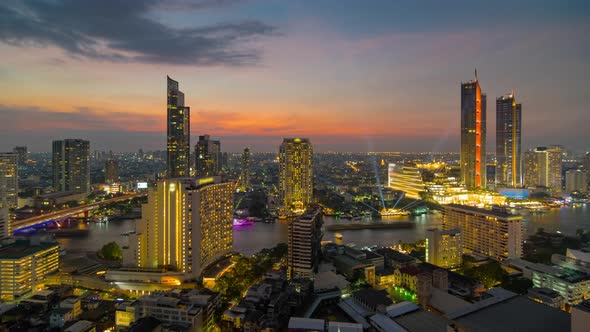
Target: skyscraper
column 576, row 180
column 178, row 146
column 508, row 137
column 543, row 168
column 22, row 152
column 245, row 171
column 186, row 224
column 5, row 220
column 70, row 163
column 295, row 174
column 111, row 171
column 305, row 237
column 9, row 179
column 473, row 135
column 207, row 156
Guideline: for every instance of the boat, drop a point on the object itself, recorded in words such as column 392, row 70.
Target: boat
column 393, row 212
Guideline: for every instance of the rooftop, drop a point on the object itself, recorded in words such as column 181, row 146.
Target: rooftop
column 373, row 297
column 23, row 248
column 489, row 212
column 395, row 255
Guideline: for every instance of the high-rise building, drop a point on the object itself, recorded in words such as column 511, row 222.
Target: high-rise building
column 542, row 167
column 407, row 179
column 576, row 180
column 178, row 146
column 22, row 153
column 70, row 163
column 186, row 224
column 9, row 179
column 245, row 172
column 493, row 233
column 111, row 171
column 473, row 135
column 295, row 174
column 508, row 142
column 24, row 265
column 207, row 156
column 444, row 248
column 587, row 161
column 305, row 237
column 5, row 221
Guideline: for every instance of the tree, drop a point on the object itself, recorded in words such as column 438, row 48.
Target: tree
column 111, row 251
column 518, row 285
column 489, row 274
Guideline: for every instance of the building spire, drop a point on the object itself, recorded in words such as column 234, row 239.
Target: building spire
column 476, row 74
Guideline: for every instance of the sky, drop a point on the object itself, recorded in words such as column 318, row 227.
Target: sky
column 351, row 75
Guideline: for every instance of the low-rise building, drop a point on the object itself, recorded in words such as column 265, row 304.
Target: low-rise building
column 546, row 296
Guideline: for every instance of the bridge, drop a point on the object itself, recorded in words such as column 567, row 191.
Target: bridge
column 22, row 225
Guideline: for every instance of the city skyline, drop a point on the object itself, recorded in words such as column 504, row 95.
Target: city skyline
column 259, row 81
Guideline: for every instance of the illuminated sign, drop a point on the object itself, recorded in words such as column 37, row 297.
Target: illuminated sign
column 142, row 185
column 172, row 187
column 206, row 180
column 297, row 140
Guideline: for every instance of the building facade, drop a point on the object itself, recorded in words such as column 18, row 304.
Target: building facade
column 473, row 135
column 207, row 156
column 444, row 248
column 576, row 180
column 186, row 224
column 23, row 154
column 543, row 168
column 407, row 179
column 9, row 179
column 245, row 171
column 295, row 174
column 24, row 263
column 71, row 165
column 111, row 171
column 493, row 233
column 178, row 137
column 305, row 237
column 508, row 142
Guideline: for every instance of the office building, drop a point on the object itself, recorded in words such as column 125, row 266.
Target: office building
column 444, row 248
column 407, row 179
column 22, row 153
column 111, row 171
column 576, row 180
column 178, row 144
column 9, row 179
column 71, row 169
column 186, row 224
column 493, row 233
column 24, row 263
column 207, row 156
column 245, row 171
column 295, row 175
column 508, row 142
column 305, row 237
column 473, row 135
column 542, row 167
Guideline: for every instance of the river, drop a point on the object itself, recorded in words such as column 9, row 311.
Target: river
column 249, row 240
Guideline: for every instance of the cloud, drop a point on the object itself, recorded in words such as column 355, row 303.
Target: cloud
column 121, row 31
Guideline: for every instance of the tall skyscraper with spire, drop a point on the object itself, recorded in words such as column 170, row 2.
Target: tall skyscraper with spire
column 178, row 121
column 473, row 135
column 508, row 137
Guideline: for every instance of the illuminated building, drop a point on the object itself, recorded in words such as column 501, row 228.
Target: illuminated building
column 111, row 171
column 508, row 139
column 178, row 137
column 576, row 180
column 305, row 237
column 22, row 153
column 543, row 168
column 245, row 172
column 493, row 233
column 9, row 179
column 186, row 225
column 473, row 135
column 71, row 169
column 207, row 156
column 295, row 174
column 444, row 248
column 407, row 179
column 24, row 263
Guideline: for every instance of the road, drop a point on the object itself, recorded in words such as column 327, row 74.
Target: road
column 36, row 220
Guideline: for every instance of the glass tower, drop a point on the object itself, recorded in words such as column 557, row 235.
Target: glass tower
column 178, row 145
column 508, row 137
column 473, row 135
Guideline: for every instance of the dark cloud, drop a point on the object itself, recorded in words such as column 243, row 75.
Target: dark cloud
column 121, row 31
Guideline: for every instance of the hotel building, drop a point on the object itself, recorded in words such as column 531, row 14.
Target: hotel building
column 178, row 137
column 186, row 225
column 305, row 237
column 9, row 179
column 508, row 142
column 295, row 175
column 444, row 248
column 473, row 135
column 24, row 263
column 71, row 165
column 543, row 168
column 493, row 233
column 407, row 179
